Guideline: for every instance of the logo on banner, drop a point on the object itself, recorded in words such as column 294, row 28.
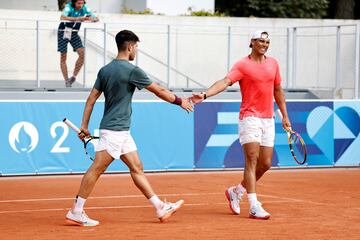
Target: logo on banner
column 23, row 137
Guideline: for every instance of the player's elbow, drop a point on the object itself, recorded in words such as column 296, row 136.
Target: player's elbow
column 226, row 82
column 278, row 89
column 90, row 101
column 278, row 93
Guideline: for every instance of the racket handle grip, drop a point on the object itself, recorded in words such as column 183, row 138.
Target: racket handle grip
column 278, row 112
column 70, row 124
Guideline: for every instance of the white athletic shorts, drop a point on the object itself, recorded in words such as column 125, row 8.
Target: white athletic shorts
column 116, row 143
column 254, row 129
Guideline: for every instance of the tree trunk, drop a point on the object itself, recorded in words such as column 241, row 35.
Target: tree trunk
column 345, row 9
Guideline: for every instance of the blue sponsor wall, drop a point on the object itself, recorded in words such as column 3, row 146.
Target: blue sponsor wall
column 35, row 141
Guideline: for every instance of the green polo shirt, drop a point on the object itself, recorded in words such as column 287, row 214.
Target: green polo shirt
column 118, row 80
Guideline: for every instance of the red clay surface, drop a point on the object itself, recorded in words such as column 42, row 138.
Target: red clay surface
column 304, row 204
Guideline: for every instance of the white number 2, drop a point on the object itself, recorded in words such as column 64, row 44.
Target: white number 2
column 57, row 147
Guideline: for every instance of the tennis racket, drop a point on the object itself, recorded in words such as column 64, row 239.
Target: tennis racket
column 89, row 142
column 296, row 144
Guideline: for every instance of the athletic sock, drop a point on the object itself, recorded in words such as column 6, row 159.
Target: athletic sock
column 79, row 204
column 252, row 199
column 240, row 189
column 156, row 202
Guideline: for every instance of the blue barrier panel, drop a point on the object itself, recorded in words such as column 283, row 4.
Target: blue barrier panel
column 330, row 130
column 164, row 135
column 346, row 133
column 35, row 141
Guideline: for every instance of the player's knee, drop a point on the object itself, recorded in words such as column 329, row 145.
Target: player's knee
column 137, row 168
column 81, row 53
column 63, row 57
column 252, row 159
column 100, row 168
column 265, row 166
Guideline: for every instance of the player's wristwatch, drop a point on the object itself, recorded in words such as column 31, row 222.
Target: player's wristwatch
column 204, row 93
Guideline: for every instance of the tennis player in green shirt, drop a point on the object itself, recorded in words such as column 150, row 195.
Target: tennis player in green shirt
column 118, row 80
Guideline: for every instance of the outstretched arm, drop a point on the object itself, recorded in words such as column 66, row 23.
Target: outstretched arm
column 168, row 96
column 79, row 19
column 280, row 101
column 90, row 102
column 94, row 19
column 73, row 19
column 217, row 87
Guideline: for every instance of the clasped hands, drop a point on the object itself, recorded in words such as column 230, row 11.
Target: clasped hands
column 188, row 102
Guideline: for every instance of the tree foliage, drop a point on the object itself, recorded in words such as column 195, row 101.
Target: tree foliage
column 204, row 13
column 274, row 8
column 131, row 11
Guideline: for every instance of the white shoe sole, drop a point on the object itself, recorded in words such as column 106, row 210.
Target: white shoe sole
column 259, row 218
column 81, row 224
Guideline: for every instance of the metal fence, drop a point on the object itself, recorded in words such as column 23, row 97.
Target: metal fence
column 324, row 59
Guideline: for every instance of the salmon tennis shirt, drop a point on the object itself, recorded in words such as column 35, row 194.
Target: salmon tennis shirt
column 257, row 82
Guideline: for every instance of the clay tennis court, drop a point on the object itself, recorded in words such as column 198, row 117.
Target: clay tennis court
column 304, row 204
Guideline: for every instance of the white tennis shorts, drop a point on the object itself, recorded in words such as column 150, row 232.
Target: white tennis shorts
column 116, row 143
column 254, row 129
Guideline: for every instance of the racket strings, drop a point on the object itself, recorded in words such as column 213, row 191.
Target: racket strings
column 90, row 147
column 297, row 148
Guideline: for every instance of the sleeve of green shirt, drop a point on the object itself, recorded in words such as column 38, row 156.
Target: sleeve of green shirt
column 139, row 78
column 98, row 83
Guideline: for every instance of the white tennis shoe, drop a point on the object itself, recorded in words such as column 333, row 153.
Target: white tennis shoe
column 168, row 210
column 258, row 212
column 80, row 219
column 234, row 199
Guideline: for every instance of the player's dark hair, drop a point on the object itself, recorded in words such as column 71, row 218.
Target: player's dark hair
column 124, row 37
column 73, row 3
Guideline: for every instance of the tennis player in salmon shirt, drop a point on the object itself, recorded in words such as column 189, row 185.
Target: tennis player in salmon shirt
column 259, row 79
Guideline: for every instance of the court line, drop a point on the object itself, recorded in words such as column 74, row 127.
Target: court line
column 108, row 197
column 179, row 172
column 290, row 199
column 279, row 200
column 117, row 207
column 160, row 195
